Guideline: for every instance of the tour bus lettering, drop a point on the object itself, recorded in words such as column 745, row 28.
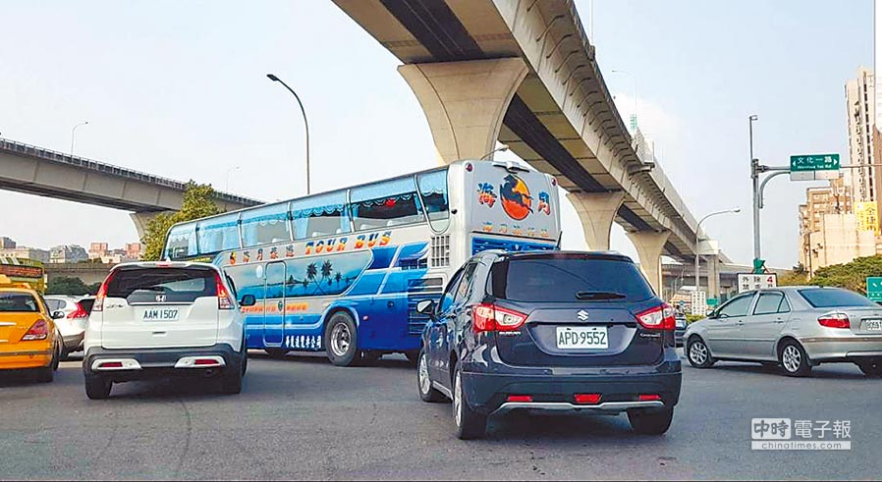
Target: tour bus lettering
column 342, row 244
column 330, row 247
column 319, row 246
column 309, row 246
column 387, row 236
column 359, row 241
column 372, row 241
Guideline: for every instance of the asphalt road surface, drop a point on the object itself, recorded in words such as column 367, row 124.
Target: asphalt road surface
column 302, row 418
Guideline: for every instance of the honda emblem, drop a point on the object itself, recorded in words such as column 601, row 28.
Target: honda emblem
column 160, row 298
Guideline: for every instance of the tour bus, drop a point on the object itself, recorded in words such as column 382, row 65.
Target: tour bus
column 343, row 271
column 20, row 270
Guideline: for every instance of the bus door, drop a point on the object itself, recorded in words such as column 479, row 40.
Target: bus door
column 274, row 307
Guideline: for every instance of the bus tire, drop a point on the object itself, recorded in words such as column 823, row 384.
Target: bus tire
column 341, row 340
column 276, row 353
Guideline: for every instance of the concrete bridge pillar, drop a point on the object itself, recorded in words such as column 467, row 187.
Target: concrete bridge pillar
column 597, row 211
column 465, row 102
column 650, row 245
column 713, row 276
column 141, row 221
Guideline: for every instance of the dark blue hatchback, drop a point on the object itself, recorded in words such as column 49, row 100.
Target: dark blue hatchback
column 567, row 331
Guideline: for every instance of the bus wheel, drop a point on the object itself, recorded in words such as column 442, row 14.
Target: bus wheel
column 341, row 340
column 276, row 353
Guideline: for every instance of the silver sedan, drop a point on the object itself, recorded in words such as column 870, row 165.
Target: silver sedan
column 795, row 327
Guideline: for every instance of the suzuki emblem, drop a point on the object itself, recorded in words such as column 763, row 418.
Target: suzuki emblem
column 160, row 298
column 583, row 315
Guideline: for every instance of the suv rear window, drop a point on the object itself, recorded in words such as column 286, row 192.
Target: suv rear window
column 834, row 298
column 179, row 285
column 18, row 303
column 568, row 279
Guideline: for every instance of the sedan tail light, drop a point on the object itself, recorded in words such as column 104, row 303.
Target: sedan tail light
column 38, row 331
column 80, row 312
column 658, row 318
column 489, row 317
column 834, row 320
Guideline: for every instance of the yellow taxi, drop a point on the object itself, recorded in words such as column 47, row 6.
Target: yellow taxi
column 28, row 337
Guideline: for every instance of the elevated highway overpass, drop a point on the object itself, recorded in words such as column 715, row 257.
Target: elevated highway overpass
column 44, row 172
column 522, row 72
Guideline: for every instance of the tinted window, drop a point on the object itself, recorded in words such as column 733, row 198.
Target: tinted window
column 567, row 279
column 768, row 303
column 266, row 225
column 464, row 289
column 18, row 303
column 181, row 242
column 55, row 305
column 391, row 203
column 87, row 304
column 738, row 306
column 323, row 215
column 218, row 234
column 834, row 298
column 433, row 189
column 143, row 285
column 785, row 306
column 449, row 293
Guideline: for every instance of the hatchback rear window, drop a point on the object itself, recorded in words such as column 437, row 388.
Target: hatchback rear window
column 834, row 298
column 18, row 303
column 569, row 279
column 162, row 285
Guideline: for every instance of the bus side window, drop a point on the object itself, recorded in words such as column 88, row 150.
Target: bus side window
column 266, row 225
column 433, row 189
column 181, row 241
column 324, row 215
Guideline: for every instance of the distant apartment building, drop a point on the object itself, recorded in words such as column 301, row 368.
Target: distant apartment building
column 860, row 99
column 133, row 250
column 24, row 252
column 97, row 250
column 7, row 243
column 68, row 253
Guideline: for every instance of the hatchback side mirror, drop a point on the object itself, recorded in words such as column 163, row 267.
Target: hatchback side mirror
column 426, row 307
column 248, row 300
column 57, row 315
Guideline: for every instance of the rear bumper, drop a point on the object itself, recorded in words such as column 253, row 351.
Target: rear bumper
column 74, row 341
column 23, row 359
column 678, row 336
column 160, row 363
column 851, row 349
column 555, row 388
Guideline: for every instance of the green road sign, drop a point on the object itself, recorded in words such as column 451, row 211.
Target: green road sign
column 874, row 289
column 815, row 162
column 713, row 302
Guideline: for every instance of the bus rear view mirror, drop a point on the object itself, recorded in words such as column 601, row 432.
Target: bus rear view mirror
column 426, row 307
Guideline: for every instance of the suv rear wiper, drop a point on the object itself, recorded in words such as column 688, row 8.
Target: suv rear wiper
column 598, row 295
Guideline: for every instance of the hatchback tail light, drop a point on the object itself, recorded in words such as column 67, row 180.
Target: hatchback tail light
column 489, row 317
column 658, row 318
column 38, row 331
column 78, row 313
column 834, row 320
column 102, row 293
column 224, row 301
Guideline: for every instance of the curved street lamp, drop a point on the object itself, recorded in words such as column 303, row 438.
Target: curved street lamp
column 73, row 133
column 305, row 124
column 698, row 242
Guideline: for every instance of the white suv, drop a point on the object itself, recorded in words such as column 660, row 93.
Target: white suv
column 163, row 319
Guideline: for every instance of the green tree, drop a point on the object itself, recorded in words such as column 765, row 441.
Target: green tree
column 796, row 277
column 852, row 276
column 198, row 203
column 70, row 286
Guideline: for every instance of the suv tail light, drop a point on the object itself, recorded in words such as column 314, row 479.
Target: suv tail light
column 658, row 318
column 224, row 302
column 38, row 331
column 489, row 317
column 834, row 320
column 78, row 313
column 102, row 293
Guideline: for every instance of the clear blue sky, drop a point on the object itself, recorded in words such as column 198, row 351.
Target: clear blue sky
column 179, row 89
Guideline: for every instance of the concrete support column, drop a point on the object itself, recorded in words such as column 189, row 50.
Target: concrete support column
column 597, row 211
column 141, row 221
column 650, row 245
column 465, row 102
column 713, row 276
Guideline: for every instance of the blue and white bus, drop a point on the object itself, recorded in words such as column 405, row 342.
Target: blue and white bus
column 343, row 271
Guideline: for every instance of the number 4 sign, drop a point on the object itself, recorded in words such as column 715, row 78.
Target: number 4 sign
column 750, row 281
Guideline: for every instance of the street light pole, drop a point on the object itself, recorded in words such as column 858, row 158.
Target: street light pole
column 698, row 243
column 305, row 124
column 754, row 174
column 490, row 154
column 73, row 133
